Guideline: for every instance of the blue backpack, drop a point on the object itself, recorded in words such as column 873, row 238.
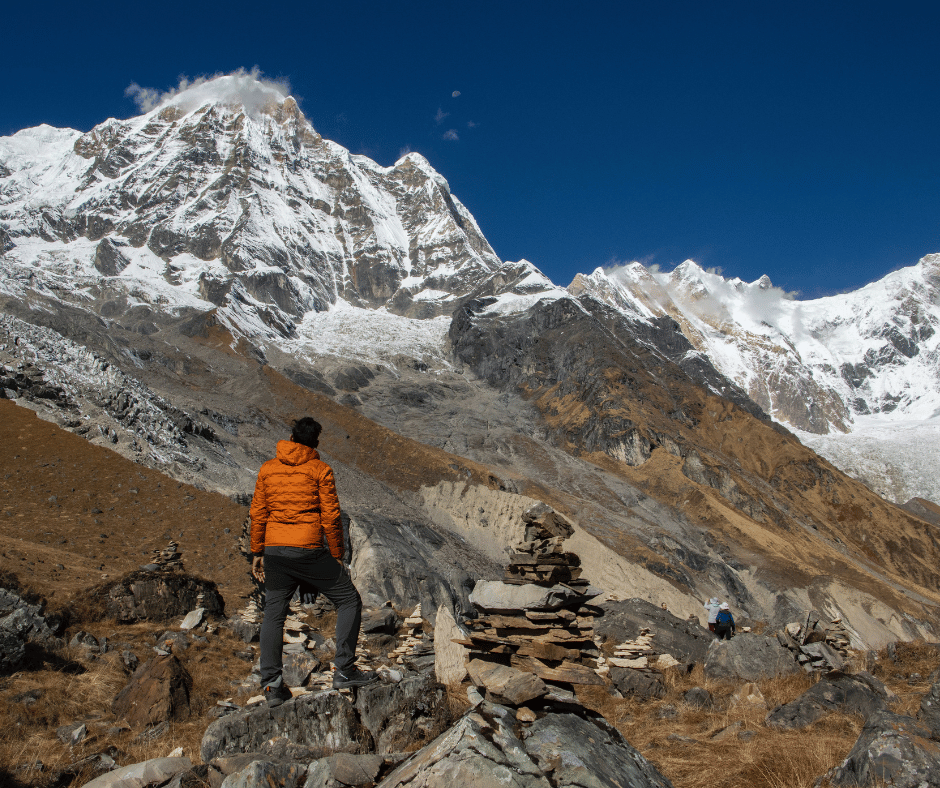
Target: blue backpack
column 724, row 618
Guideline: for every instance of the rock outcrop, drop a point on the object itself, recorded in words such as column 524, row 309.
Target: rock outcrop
column 487, row 747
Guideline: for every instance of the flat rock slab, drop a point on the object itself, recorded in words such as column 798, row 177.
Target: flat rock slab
column 450, row 658
column 891, row 750
column 749, row 657
column 492, row 596
column 138, row 775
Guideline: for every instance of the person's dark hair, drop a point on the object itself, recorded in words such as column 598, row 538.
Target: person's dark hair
column 306, row 431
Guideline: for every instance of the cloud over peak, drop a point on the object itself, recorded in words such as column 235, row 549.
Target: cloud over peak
column 246, row 87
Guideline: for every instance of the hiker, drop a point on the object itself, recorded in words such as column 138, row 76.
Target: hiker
column 712, row 607
column 724, row 623
column 294, row 508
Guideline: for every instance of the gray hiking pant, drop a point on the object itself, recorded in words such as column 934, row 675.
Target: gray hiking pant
column 285, row 570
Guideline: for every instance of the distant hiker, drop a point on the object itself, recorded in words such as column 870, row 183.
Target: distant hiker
column 712, row 607
column 294, row 508
column 724, row 623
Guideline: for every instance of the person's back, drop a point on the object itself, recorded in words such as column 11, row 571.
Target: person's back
column 724, row 623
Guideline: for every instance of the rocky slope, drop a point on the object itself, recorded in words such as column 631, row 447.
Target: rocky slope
column 181, row 285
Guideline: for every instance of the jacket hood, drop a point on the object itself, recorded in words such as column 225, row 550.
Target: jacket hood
column 291, row 453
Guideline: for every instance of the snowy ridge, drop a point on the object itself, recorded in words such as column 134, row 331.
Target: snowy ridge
column 857, row 375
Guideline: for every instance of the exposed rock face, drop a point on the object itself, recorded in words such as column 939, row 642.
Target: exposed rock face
column 383, row 718
column 157, row 692
column 557, row 751
column 891, row 750
column 325, row 723
column 749, row 658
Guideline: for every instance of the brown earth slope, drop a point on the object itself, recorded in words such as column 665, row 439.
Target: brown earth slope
column 73, row 514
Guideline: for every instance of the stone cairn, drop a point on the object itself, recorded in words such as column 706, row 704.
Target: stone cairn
column 169, row 557
column 638, row 654
column 413, row 640
column 817, row 646
column 543, row 633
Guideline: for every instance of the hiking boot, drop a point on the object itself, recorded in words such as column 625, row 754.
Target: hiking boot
column 275, row 696
column 343, row 679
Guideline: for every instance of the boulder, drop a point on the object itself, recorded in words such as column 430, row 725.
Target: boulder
column 637, row 683
column 749, row 694
column 267, row 774
column 344, row 769
column 138, row 775
column 748, row 657
column 557, row 751
column 297, row 668
column 699, row 698
column 892, row 749
column 621, row 621
column 323, row 722
column 383, row 621
column 505, row 684
column 860, row 693
column 20, row 623
column 156, row 596
column 415, row 709
column 193, row 618
column 157, row 692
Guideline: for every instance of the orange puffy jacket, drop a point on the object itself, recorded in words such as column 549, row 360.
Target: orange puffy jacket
column 295, row 502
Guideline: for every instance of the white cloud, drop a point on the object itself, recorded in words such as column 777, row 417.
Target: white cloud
column 451, row 134
column 439, row 117
column 247, row 88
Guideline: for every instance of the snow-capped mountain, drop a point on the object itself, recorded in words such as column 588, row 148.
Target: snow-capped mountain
column 185, row 283
column 856, row 370
column 227, row 197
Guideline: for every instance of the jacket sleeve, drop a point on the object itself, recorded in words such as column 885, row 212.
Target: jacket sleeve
column 330, row 516
column 259, row 516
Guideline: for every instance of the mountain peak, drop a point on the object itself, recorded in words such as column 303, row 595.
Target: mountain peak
column 241, row 89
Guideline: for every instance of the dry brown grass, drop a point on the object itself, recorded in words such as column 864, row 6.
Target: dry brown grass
column 702, row 748
column 72, row 687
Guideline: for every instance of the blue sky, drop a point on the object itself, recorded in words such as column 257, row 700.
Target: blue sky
column 797, row 140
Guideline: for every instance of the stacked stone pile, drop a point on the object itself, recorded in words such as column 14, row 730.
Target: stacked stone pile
column 169, row 557
column 815, row 645
column 533, row 622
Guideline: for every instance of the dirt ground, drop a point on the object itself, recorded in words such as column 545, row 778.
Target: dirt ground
column 73, row 515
